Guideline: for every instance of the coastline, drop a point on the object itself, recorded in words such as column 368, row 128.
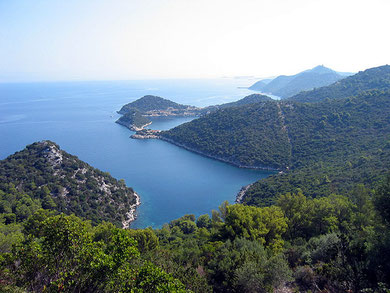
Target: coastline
column 267, row 168
column 133, row 127
column 131, row 214
column 240, row 195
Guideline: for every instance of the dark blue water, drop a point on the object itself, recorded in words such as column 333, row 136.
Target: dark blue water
column 80, row 117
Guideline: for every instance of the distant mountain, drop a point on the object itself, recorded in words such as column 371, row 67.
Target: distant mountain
column 286, row 86
column 258, row 86
column 373, row 78
column 44, row 176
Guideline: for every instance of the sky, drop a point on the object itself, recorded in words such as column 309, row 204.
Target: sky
column 48, row 40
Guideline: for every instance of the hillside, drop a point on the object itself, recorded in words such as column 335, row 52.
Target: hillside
column 43, row 175
column 287, row 86
column 324, row 145
column 250, row 135
column 373, row 78
column 251, row 99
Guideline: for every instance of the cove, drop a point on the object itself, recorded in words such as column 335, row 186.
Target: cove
column 80, row 117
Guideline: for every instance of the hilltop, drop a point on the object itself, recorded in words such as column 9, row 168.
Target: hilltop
column 373, row 78
column 251, row 99
column 43, row 175
column 156, row 106
column 286, row 86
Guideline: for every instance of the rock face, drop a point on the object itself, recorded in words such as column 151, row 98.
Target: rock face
column 42, row 169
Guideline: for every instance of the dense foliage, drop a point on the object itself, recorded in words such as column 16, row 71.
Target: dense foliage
column 251, row 99
column 251, row 135
column 334, row 144
column 64, row 254
column 133, row 119
column 150, row 103
column 328, row 244
column 374, row 78
column 44, row 176
column 287, row 86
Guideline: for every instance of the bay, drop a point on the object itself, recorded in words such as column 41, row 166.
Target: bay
column 80, row 117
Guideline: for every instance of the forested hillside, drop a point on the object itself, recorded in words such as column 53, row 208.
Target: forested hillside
column 44, row 176
column 251, row 135
column 373, row 78
column 321, row 148
column 251, row 99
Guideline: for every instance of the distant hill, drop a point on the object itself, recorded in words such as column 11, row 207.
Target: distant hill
column 135, row 114
column 44, row 176
column 286, row 86
column 151, row 103
column 373, row 78
column 321, row 148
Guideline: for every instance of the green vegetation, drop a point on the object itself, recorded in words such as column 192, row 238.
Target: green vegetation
column 374, row 78
column 151, row 103
column 43, row 176
column 251, row 99
column 344, row 142
column 250, row 135
column 133, row 119
column 64, row 254
column 329, row 244
column 287, row 86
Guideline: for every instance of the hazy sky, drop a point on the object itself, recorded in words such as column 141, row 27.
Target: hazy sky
column 114, row 39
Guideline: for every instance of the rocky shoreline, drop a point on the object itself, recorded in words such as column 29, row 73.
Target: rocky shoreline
column 132, row 127
column 240, row 195
column 217, row 158
column 131, row 214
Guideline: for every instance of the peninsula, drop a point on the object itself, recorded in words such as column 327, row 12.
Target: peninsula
column 136, row 114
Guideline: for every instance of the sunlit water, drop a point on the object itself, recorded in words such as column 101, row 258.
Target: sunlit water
column 80, row 117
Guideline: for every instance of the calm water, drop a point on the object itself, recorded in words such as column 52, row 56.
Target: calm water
column 80, row 117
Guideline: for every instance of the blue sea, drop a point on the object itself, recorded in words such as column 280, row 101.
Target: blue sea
column 80, row 117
